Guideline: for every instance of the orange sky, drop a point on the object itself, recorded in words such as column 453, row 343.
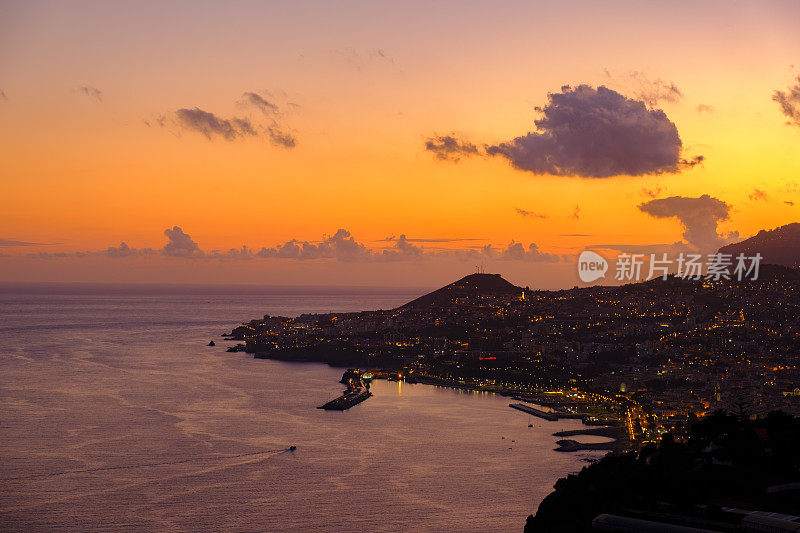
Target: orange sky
column 361, row 86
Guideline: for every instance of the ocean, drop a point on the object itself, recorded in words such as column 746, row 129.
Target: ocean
column 116, row 416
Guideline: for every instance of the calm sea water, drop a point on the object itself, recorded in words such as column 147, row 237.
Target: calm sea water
column 115, row 416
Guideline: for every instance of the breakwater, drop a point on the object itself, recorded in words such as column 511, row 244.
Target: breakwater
column 553, row 417
column 346, row 400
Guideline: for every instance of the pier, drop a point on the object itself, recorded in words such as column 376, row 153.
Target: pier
column 553, row 417
column 346, row 400
column 356, row 392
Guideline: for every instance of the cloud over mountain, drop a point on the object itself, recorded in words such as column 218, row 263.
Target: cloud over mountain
column 698, row 216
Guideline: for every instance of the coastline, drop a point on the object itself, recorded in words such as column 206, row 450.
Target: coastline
column 616, row 432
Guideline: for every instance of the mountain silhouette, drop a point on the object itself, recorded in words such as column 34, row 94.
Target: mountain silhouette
column 468, row 286
column 780, row 246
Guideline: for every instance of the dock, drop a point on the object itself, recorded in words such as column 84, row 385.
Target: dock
column 346, row 400
column 553, row 417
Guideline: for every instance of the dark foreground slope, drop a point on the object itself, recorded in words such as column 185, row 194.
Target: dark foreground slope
column 728, row 462
column 780, row 246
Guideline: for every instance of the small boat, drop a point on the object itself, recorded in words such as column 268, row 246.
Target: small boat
column 212, row 343
column 530, row 425
column 292, row 448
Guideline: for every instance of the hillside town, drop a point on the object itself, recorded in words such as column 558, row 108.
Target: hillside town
column 650, row 357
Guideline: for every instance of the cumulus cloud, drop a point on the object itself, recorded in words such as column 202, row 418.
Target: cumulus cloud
column 341, row 246
column 180, row 244
column 530, row 214
column 789, row 102
column 212, row 126
column 758, row 194
column 403, row 249
column 92, row 92
column 698, row 216
column 516, row 251
column 448, row 147
column 703, row 108
column 595, row 133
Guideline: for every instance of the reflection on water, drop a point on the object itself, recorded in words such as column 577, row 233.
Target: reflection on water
column 105, row 384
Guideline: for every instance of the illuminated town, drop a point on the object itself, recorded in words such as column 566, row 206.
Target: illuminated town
column 649, row 357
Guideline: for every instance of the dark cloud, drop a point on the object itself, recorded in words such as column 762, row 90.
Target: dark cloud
column 703, row 108
column 447, row 147
column 92, row 92
column 789, row 101
column 698, row 216
column 180, row 244
column 531, row 214
column 213, row 126
column 281, row 138
column 689, row 163
column 789, row 203
column 3, row 95
column 259, row 102
column 758, row 194
column 595, row 133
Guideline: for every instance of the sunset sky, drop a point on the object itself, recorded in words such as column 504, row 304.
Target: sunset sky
column 259, row 123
